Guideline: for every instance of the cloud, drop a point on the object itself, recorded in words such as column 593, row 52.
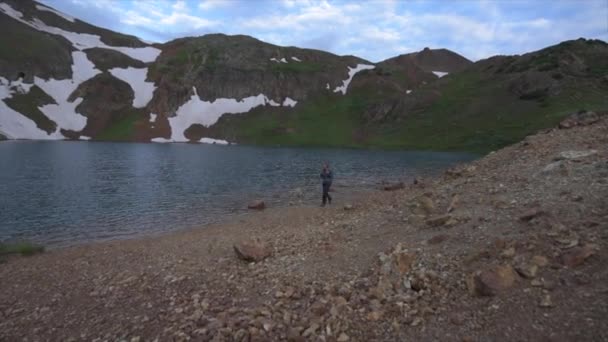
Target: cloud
column 374, row 30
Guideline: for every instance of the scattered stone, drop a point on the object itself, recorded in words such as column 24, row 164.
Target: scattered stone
column 530, row 214
column 252, row 250
column 570, row 155
column 427, row 205
column 257, row 205
column 540, row 261
column 437, row 239
column 438, row 220
column 576, row 256
column 536, row 283
column 527, row 271
column 583, row 118
column 552, row 166
column 404, row 261
column 348, row 207
column 396, row 186
column 546, row 301
column 453, row 203
column 492, row 281
column 508, row 253
column 343, row 337
column 374, row 316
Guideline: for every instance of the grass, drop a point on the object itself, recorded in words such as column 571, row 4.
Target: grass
column 297, row 67
column 120, row 130
column 23, row 248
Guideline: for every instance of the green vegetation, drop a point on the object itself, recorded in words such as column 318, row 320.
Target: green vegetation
column 121, row 130
column 23, row 248
column 297, row 67
column 27, row 104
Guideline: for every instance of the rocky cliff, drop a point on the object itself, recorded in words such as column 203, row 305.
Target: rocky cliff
column 61, row 78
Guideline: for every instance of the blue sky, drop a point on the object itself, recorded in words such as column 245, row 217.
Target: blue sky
column 374, row 30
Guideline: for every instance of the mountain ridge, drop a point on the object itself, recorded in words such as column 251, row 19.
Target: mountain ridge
column 74, row 80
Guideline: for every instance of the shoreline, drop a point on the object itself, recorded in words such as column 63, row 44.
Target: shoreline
column 401, row 265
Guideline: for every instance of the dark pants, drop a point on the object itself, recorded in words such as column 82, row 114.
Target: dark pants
column 326, row 196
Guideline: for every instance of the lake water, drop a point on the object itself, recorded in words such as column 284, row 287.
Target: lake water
column 64, row 193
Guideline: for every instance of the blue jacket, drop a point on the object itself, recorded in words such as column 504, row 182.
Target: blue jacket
column 327, row 177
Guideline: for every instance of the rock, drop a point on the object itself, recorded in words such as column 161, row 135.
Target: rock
column 508, row 253
column 540, row 261
column 530, row 214
column 396, row 186
column 348, row 207
column 552, row 166
column 536, row 283
column 343, row 337
column 252, row 250
column 570, row 155
column 257, row 205
column 527, row 271
column 404, row 261
column 438, row 220
column 576, row 256
column 492, row 281
column 582, row 118
column 453, row 203
column 426, row 204
column 311, row 330
column 374, row 316
column 546, row 302
column 437, row 239
column 418, row 181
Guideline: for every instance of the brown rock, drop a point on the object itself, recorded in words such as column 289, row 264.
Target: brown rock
column 374, row 316
column 576, row 256
column 530, row 214
column 527, row 271
column 438, row 220
column 343, row 337
column 252, row 250
column 437, row 239
column 492, row 281
column 404, row 261
column 396, row 186
column 540, row 261
column 453, row 203
column 257, row 205
column 427, row 205
column 582, row 118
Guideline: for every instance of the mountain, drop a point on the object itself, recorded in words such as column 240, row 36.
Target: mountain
column 61, row 78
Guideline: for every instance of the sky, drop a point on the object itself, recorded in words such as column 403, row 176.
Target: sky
column 374, row 29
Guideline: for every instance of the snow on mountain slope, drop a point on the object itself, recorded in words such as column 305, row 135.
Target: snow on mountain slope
column 206, row 113
column 13, row 124
column 143, row 91
column 351, row 73
column 83, row 41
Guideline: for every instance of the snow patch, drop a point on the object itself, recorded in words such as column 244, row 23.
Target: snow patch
column 213, row 141
column 152, row 117
column 327, row 86
column 283, row 60
column 272, row 103
column 83, row 41
column 274, row 60
column 161, row 140
column 84, row 137
column 351, row 73
column 289, row 102
column 63, row 15
column 13, row 124
column 64, row 112
column 408, row 91
column 143, row 91
column 440, row 74
column 296, row 59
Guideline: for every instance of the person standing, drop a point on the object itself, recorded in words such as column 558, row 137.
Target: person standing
column 327, row 177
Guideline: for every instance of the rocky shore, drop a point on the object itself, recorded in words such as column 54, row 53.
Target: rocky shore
column 511, row 247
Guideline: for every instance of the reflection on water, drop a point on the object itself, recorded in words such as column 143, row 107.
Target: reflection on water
column 60, row 193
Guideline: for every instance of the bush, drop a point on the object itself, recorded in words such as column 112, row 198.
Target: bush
column 23, row 248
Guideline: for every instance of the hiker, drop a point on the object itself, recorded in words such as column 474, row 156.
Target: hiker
column 327, row 176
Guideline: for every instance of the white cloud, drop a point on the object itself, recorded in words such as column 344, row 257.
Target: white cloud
column 212, row 4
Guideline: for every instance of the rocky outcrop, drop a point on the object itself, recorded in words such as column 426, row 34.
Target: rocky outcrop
column 253, row 250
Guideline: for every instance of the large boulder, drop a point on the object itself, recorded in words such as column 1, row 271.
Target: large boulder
column 582, row 118
column 252, row 250
column 257, row 205
column 492, row 281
